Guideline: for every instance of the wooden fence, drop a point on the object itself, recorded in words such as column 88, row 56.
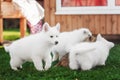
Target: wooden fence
column 104, row 24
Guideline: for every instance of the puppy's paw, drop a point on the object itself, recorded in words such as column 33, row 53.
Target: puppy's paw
column 40, row 69
column 20, row 67
column 54, row 59
column 14, row 68
column 46, row 68
column 73, row 67
column 86, row 67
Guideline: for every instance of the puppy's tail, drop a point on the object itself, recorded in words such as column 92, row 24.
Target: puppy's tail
column 82, row 51
column 6, row 48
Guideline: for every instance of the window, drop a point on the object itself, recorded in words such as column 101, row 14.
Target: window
column 117, row 2
column 77, row 3
column 87, row 6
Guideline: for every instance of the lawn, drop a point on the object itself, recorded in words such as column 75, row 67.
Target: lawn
column 111, row 71
column 12, row 34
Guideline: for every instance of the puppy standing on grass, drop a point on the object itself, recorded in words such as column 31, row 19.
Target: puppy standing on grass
column 88, row 55
column 68, row 39
column 35, row 48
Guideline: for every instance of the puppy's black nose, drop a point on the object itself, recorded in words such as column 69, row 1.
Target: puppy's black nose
column 90, row 38
column 90, row 35
column 56, row 42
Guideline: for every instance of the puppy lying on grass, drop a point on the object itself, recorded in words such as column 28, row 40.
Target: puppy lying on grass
column 88, row 55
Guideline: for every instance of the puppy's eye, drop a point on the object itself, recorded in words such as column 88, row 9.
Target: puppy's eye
column 56, row 36
column 85, row 32
column 51, row 36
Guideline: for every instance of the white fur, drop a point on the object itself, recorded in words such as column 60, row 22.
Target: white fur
column 67, row 40
column 35, row 48
column 88, row 55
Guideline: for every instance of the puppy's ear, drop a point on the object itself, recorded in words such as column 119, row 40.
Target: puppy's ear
column 99, row 37
column 58, row 26
column 112, row 44
column 46, row 27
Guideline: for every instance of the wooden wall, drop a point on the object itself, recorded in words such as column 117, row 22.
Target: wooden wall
column 104, row 24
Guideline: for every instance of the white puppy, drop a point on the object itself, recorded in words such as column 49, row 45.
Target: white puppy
column 35, row 48
column 87, row 55
column 67, row 40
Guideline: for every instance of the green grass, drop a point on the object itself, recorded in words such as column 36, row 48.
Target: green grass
column 12, row 34
column 111, row 71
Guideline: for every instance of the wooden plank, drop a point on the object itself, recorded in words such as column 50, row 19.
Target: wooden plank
column 63, row 23
column 80, row 21
column 1, row 30
column 85, row 21
column 74, row 22
column 1, row 26
column 97, row 24
column 0, row 8
column 69, row 23
column 47, row 8
column 52, row 12
column 114, row 24
column 12, row 16
column 108, row 24
column 92, row 23
column 118, row 21
column 102, row 24
column 23, row 26
column 10, row 10
column 58, row 20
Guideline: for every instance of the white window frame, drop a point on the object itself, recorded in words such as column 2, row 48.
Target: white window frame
column 109, row 9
